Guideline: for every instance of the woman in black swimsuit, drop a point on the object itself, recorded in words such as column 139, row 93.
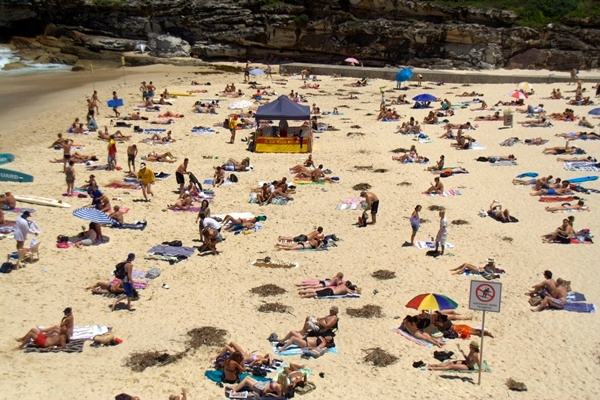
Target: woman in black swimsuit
column 468, row 364
column 311, row 244
column 306, row 342
column 106, row 288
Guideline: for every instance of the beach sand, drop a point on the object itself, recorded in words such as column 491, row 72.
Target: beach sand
column 554, row 353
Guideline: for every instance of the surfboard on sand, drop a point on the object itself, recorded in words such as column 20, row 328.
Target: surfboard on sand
column 111, row 103
column 7, row 175
column 42, row 201
column 181, row 94
column 6, row 158
column 583, row 179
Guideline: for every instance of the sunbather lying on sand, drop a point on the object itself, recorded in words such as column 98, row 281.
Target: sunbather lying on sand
column 564, row 150
column 163, row 122
column 469, row 94
column 165, row 157
column 443, row 323
column 263, row 388
column 350, row 97
column 316, row 175
column 580, row 206
column 170, row 114
column 337, row 280
column 466, row 125
column 489, row 268
column 345, row 288
column 77, row 158
column 553, row 191
column 308, row 163
column 156, row 138
column 231, row 224
column 495, row 117
column 575, row 159
column 41, row 340
column 321, row 342
column 135, row 116
column 123, row 185
column 493, row 159
column 107, row 288
column 234, row 165
column 117, row 136
column 182, row 204
column 496, row 210
column 538, row 182
column 542, row 123
column 316, row 234
column 252, row 358
column 309, row 244
column 579, row 135
column 468, row 364
column 409, row 325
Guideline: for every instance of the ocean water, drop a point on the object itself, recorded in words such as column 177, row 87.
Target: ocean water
column 8, row 56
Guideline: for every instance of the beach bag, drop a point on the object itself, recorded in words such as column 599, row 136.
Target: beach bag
column 307, row 388
column 443, row 355
column 123, row 396
column 104, row 339
column 450, row 334
column 62, row 239
column 153, row 273
column 233, row 178
column 7, row 268
column 258, row 371
column 120, row 270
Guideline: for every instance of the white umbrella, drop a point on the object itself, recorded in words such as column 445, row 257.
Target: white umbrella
column 240, row 105
column 256, row 71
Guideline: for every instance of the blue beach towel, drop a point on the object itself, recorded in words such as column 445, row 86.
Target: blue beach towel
column 580, row 307
column 528, row 175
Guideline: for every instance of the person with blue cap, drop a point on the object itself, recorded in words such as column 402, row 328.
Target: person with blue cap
column 124, row 273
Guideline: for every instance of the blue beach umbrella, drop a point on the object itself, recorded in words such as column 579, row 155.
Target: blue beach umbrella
column 404, row 75
column 595, row 111
column 93, row 215
column 425, row 97
column 256, row 71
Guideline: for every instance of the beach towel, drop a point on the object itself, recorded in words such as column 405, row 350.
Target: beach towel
column 580, row 307
column 412, row 338
column 218, row 376
column 345, row 206
column 19, row 210
column 139, row 285
column 504, row 163
column 340, row 296
column 138, row 226
column 176, row 251
column 451, row 192
column 475, row 146
column 102, row 167
column 484, row 364
column 582, row 166
column 431, row 245
column 552, row 199
column 492, row 216
column 242, row 215
column 191, row 209
column 528, row 175
column 74, row 346
column 88, row 332
column 575, row 296
column 307, row 182
column 203, row 131
column 295, row 350
column 530, row 142
column 152, row 130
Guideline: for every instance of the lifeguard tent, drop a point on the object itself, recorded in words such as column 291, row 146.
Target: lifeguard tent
column 282, row 138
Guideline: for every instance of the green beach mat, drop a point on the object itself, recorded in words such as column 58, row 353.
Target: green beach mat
column 6, row 175
column 486, row 368
column 6, row 158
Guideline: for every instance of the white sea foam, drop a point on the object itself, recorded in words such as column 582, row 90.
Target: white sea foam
column 8, row 56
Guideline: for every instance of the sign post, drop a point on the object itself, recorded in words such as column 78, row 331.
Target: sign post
column 484, row 296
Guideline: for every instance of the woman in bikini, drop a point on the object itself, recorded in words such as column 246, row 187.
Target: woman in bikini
column 468, row 364
column 165, row 157
column 233, row 366
column 489, row 268
column 580, row 206
column 233, row 165
column 308, row 342
column 252, row 359
column 497, row 211
column 264, row 388
column 346, row 288
column 107, row 288
column 409, row 325
column 337, row 280
column 310, row 244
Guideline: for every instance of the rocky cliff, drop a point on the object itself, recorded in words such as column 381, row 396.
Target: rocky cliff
column 377, row 32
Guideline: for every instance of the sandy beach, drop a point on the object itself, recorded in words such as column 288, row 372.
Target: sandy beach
column 553, row 352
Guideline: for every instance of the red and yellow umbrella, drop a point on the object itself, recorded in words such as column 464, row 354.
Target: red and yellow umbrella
column 432, row 301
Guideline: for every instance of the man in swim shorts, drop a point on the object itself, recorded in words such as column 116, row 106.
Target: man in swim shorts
column 179, row 175
column 556, row 300
column 372, row 204
column 41, row 340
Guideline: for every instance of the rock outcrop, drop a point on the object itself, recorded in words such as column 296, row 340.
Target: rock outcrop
column 377, row 32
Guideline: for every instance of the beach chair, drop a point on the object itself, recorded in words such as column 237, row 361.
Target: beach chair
column 25, row 254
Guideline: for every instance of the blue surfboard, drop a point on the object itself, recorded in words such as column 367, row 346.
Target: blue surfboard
column 6, row 158
column 111, row 103
column 6, row 175
column 583, row 179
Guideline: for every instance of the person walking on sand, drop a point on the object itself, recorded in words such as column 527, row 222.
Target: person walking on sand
column 116, row 101
column 112, row 153
column 415, row 222
column 179, row 175
column 127, row 283
column 147, row 178
column 442, row 235
column 269, row 73
column 131, row 155
column 372, row 204
column 66, row 146
column 419, row 80
column 96, row 102
column 232, row 128
column 70, row 178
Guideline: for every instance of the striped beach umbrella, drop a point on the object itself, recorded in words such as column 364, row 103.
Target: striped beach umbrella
column 517, row 94
column 432, row 301
column 93, row 215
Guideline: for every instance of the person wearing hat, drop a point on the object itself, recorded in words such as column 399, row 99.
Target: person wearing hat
column 127, row 283
column 22, row 228
column 468, row 364
column 489, row 268
column 65, row 327
column 147, row 178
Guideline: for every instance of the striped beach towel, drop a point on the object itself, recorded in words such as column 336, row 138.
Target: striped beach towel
column 447, row 193
column 412, row 338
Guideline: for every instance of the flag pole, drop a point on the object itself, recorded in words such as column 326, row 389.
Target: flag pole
column 123, row 66
column 93, row 80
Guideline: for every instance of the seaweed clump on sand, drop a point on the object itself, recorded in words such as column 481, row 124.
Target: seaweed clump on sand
column 274, row 307
column 379, row 357
column 268, row 290
column 383, row 274
column 361, row 186
column 367, row 311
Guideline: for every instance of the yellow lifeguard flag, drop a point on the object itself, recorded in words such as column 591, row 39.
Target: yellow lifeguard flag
column 122, row 61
